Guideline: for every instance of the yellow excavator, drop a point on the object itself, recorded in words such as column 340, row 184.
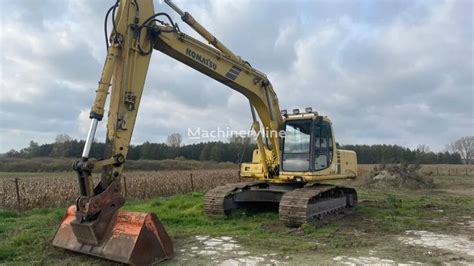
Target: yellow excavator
column 295, row 151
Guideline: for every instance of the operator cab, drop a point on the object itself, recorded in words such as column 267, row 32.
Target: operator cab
column 308, row 145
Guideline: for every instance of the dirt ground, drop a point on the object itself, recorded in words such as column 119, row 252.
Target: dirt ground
column 411, row 248
column 390, row 226
column 452, row 243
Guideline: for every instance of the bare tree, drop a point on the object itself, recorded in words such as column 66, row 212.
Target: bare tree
column 61, row 147
column 423, row 148
column 465, row 147
column 238, row 139
column 61, row 138
column 174, row 140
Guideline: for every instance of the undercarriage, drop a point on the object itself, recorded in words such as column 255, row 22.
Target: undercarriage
column 298, row 203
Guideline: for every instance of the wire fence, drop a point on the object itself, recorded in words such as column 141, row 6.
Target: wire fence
column 23, row 193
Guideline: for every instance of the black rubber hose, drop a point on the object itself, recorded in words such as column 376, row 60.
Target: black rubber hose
column 148, row 27
column 143, row 52
column 156, row 15
column 105, row 27
column 113, row 16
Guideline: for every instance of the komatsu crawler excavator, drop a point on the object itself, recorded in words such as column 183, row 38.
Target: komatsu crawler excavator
column 295, row 151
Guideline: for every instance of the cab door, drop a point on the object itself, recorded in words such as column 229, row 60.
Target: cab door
column 322, row 145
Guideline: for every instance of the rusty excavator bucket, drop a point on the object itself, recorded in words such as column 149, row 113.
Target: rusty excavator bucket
column 129, row 237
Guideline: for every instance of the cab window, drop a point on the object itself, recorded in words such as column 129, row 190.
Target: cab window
column 322, row 145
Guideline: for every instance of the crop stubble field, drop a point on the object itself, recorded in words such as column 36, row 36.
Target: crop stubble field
column 46, row 190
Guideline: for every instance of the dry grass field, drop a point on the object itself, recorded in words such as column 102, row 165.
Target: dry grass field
column 430, row 169
column 46, row 190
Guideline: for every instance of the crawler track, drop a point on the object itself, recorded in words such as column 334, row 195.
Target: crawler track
column 218, row 201
column 315, row 202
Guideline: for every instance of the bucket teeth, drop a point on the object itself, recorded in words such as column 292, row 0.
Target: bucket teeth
column 132, row 238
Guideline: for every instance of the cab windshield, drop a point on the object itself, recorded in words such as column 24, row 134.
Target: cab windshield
column 296, row 147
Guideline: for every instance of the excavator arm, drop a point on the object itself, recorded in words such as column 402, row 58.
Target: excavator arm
column 123, row 77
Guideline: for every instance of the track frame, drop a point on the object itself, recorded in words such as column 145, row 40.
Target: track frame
column 298, row 203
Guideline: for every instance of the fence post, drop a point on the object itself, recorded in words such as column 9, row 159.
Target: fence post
column 125, row 185
column 437, row 171
column 466, row 172
column 192, row 183
column 18, row 199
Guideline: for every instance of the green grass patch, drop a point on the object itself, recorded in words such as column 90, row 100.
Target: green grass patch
column 26, row 238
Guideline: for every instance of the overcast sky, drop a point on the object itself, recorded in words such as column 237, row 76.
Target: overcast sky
column 386, row 71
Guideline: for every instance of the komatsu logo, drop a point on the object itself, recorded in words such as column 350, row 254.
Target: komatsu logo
column 201, row 59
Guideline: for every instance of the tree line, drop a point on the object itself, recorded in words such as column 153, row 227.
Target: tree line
column 235, row 150
column 377, row 154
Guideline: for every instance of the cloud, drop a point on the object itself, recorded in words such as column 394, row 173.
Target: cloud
column 398, row 72
column 405, row 83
